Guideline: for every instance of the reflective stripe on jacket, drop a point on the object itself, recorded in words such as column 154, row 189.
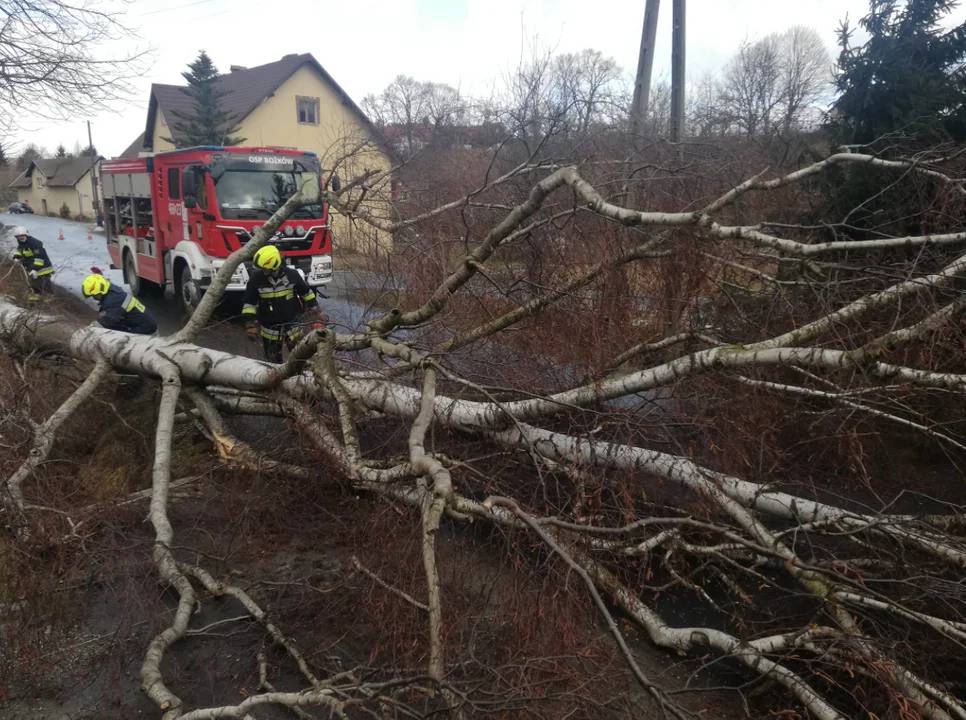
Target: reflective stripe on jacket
column 33, row 256
column 122, row 311
column 277, row 301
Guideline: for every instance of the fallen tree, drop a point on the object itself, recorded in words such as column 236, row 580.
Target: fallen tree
column 857, row 574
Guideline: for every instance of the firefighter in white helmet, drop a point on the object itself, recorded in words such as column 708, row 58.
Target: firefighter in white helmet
column 275, row 297
column 33, row 256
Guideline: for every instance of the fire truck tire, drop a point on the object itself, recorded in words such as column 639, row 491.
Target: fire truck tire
column 131, row 274
column 188, row 293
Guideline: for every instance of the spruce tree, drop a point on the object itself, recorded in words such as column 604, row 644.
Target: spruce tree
column 31, row 152
column 906, row 78
column 206, row 123
column 61, row 151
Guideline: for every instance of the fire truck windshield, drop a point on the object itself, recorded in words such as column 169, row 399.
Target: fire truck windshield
column 257, row 194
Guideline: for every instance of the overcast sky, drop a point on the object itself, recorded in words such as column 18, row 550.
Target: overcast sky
column 466, row 43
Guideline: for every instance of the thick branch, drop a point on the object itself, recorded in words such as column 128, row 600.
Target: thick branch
column 152, row 682
column 433, row 507
column 45, row 433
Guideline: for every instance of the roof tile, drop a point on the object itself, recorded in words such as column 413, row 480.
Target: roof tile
column 136, row 147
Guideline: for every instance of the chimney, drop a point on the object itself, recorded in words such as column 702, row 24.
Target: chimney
column 235, row 68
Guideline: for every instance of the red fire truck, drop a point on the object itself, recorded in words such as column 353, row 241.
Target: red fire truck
column 172, row 218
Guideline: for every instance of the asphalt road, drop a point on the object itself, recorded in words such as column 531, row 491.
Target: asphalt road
column 227, row 330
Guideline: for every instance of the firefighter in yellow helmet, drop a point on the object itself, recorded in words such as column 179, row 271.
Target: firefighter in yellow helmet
column 275, row 297
column 117, row 309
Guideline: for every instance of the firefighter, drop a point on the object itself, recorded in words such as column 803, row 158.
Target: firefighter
column 118, row 310
column 275, row 297
column 32, row 255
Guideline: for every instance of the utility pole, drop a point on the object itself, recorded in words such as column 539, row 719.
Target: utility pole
column 645, row 63
column 90, row 148
column 678, row 66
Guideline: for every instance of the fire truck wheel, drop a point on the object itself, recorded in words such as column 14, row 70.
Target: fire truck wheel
column 188, row 291
column 131, row 275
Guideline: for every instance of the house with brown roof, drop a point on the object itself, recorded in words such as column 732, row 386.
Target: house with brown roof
column 292, row 103
column 49, row 184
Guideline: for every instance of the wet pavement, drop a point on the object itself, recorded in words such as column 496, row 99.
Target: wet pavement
column 75, row 255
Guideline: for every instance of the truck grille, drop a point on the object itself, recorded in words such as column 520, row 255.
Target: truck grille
column 302, row 263
column 286, row 244
column 283, row 243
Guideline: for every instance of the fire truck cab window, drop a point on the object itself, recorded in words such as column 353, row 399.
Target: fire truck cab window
column 174, row 183
column 308, row 110
column 248, row 195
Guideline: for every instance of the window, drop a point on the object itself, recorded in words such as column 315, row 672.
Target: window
column 174, row 183
column 308, row 110
column 245, row 195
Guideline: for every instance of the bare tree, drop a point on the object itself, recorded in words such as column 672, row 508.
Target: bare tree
column 658, row 121
column 445, row 106
column 806, row 75
column 566, row 95
column 588, row 87
column 706, row 115
column 772, row 85
column 404, row 103
column 528, row 106
column 545, row 95
column 424, row 111
column 752, row 86
column 50, row 52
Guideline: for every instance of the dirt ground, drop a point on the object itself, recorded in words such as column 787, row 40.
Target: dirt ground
column 72, row 640
column 76, row 616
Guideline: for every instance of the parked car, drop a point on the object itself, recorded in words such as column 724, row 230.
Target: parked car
column 19, row 208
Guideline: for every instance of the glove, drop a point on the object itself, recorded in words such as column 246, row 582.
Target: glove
column 33, row 275
column 319, row 320
column 252, row 333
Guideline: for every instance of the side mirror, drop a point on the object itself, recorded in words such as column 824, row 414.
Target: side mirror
column 190, row 202
column 336, row 183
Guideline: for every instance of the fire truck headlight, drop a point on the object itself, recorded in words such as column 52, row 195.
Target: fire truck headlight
column 289, row 231
column 300, row 230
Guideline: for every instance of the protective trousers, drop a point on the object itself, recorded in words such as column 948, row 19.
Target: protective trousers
column 275, row 337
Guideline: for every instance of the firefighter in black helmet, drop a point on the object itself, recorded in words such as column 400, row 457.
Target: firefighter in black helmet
column 275, row 297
